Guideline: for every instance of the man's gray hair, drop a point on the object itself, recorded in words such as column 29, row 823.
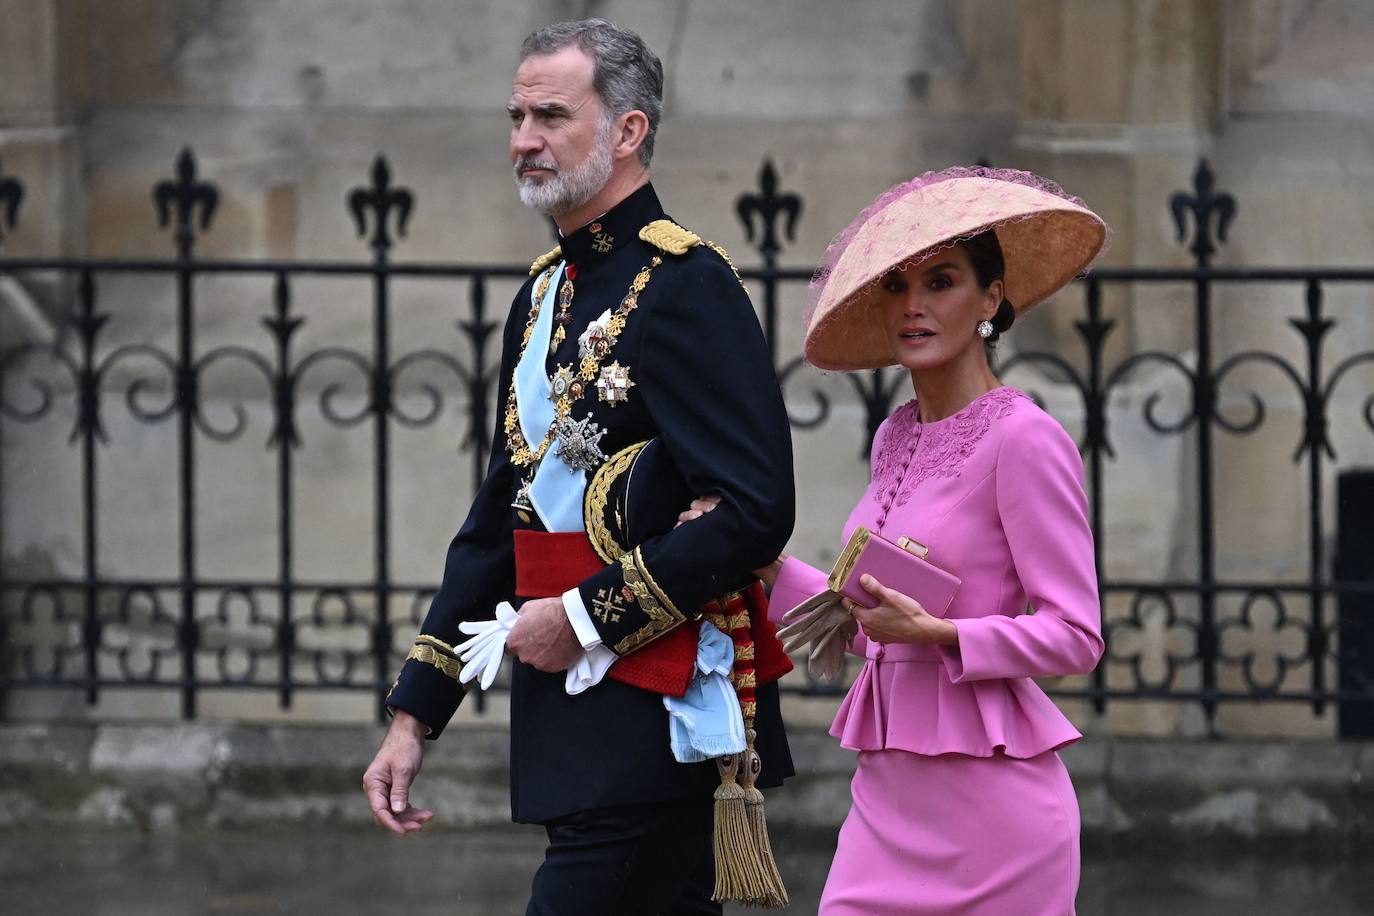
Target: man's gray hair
column 625, row 73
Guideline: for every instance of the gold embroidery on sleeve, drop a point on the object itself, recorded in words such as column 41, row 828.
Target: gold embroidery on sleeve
column 607, row 605
column 658, row 592
column 426, row 654
column 437, row 643
column 663, row 614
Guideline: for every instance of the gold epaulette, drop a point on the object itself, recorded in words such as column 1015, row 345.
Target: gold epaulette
column 668, row 237
column 544, row 260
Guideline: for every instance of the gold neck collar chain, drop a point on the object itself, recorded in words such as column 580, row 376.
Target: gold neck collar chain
column 521, row 453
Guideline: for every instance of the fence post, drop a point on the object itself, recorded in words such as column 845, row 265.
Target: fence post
column 1354, row 562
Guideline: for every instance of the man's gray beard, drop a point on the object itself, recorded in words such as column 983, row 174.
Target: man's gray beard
column 570, row 188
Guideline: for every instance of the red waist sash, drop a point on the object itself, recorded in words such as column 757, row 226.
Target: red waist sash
column 547, row 564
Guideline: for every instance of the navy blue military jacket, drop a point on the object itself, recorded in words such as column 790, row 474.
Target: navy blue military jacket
column 702, row 383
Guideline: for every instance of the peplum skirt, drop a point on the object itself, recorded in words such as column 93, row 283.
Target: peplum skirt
column 956, row 835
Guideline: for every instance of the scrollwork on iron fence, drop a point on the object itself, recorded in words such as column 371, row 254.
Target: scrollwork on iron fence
column 1195, row 637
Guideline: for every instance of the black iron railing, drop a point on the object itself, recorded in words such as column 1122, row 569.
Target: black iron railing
column 99, row 626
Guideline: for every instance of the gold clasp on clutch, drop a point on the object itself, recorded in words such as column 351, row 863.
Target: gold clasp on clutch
column 913, row 547
column 844, row 566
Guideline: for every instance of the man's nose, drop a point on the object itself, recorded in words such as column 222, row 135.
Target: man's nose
column 524, row 140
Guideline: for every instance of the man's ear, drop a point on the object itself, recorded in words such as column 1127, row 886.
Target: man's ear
column 631, row 129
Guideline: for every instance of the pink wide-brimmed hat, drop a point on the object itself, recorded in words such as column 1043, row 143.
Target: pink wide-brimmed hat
column 1047, row 239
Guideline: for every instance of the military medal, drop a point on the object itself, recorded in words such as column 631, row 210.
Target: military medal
column 579, row 443
column 560, row 385
column 522, row 503
column 564, row 316
column 586, row 341
column 613, row 387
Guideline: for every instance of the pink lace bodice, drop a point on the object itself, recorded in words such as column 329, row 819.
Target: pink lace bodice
column 898, row 469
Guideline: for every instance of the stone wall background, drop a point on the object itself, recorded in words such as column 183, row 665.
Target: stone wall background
column 287, row 103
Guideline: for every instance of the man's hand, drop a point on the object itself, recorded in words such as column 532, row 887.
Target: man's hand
column 387, row 781
column 543, row 637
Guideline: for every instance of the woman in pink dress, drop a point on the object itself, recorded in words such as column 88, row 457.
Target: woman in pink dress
column 961, row 804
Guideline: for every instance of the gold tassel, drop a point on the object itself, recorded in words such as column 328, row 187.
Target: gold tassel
column 770, row 892
column 745, row 870
column 732, row 846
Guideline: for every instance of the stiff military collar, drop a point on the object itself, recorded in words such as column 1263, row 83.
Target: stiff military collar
column 614, row 229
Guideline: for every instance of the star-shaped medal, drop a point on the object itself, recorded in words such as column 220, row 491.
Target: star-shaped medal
column 579, row 443
column 613, row 386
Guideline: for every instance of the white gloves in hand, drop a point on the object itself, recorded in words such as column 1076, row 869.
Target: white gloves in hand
column 823, row 623
column 483, row 653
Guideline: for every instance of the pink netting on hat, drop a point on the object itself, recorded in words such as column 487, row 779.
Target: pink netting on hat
column 841, row 242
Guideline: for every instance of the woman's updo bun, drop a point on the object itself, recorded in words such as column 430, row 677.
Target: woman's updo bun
column 985, row 256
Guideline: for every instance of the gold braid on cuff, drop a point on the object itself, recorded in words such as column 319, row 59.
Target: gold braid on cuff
column 438, row 644
column 425, row 652
column 663, row 614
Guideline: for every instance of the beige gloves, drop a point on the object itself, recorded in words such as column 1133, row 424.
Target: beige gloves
column 823, row 623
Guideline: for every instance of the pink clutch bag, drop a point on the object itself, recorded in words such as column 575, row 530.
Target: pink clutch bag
column 902, row 566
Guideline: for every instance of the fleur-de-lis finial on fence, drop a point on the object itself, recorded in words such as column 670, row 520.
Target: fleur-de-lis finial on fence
column 187, row 195
column 768, row 205
column 1203, row 203
column 11, row 196
column 381, row 199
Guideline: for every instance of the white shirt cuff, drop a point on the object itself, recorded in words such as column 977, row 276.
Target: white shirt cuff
column 581, row 621
column 589, row 670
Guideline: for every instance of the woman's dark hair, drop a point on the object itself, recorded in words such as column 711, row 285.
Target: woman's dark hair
column 985, row 255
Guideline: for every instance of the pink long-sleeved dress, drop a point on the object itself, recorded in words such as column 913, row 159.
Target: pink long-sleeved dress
column 961, row 804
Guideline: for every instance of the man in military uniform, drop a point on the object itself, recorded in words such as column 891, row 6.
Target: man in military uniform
column 632, row 329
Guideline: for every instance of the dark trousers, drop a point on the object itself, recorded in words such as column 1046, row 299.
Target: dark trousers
column 633, row 860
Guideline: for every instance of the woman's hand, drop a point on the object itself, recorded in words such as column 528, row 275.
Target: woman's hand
column 703, row 504
column 769, row 574
column 899, row 618
column 699, row 507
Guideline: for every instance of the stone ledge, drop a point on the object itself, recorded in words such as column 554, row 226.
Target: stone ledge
column 163, row 777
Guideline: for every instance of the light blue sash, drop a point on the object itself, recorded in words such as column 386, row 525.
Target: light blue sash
column 556, row 493
column 706, row 721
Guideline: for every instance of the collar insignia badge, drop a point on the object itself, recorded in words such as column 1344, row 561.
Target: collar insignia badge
column 600, row 240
